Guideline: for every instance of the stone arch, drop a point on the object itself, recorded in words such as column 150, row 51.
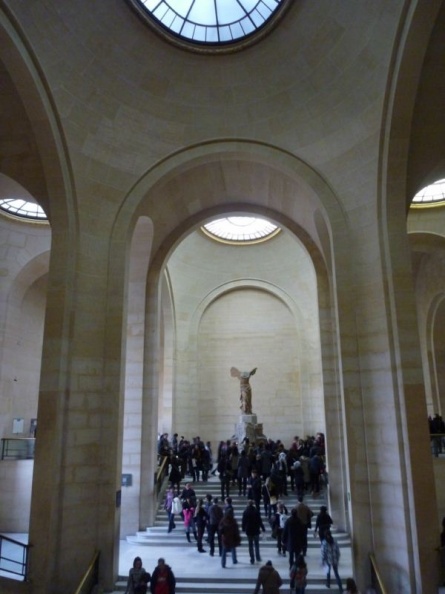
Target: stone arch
column 58, row 200
column 436, row 352
column 303, row 203
column 305, row 363
column 428, row 258
column 16, row 339
column 398, row 179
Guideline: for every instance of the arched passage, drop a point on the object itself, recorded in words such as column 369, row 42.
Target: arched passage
column 48, row 178
column 192, row 187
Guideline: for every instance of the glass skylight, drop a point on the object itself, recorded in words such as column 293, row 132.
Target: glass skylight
column 430, row 195
column 23, row 209
column 211, row 21
column 241, row 229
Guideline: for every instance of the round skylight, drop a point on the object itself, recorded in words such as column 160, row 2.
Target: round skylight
column 23, row 209
column 431, row 195
column 211, row 22
column 240, row 229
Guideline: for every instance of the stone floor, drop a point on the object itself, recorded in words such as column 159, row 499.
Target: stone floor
column 186, row 562
column 199, row 573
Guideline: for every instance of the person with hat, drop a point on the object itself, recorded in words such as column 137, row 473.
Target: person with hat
column 268, row 579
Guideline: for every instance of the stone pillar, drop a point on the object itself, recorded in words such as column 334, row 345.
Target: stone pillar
column 76, row 488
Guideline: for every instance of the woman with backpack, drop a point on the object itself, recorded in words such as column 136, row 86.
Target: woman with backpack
column 277, row 524
column 138, row 578
column 298, row 576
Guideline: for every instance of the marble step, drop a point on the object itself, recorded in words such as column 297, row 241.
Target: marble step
column 157, row 534
column 159, row 537
column 228, row 585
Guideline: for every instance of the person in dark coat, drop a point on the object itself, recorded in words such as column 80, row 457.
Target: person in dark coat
column 269, row 579
column 242, row 473
column 323, row 523
column 255, row 487
column 175, row 474
column 293, row 537
column 298, row 475
column 201, row 518
column 188, row 492
column 215, row 517
column 230, row 536
column 225, row 476
column 305, row 514
column 252, row 525
column 163, row 581
column 316, row 466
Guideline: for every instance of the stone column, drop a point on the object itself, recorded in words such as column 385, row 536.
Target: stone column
column 76, row 489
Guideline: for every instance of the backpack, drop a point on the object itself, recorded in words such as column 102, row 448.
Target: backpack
column 298, row 577
column 176, row 506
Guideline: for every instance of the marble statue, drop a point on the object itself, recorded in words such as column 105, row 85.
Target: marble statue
column 245, row 389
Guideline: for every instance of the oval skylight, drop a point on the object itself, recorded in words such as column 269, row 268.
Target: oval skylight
column 431, row 195
column 211, row 22
column 240, row 229
column 23, row 209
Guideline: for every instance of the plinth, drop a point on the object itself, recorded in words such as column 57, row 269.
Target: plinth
column 248, row 427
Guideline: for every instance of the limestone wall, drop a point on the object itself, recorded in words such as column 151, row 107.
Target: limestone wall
column 24, row 250
column 245, row 307
column 15, row 495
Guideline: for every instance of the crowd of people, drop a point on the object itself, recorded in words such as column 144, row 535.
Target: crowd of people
column 161, row 581
column 302, row 464
column 290, row 531
column 263, row 473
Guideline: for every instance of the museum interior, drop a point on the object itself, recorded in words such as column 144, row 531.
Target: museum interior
column 174, row 207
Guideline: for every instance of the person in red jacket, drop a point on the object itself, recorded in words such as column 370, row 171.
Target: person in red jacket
column 163, row 581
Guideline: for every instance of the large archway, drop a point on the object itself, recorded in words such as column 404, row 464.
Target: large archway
column 222, row 178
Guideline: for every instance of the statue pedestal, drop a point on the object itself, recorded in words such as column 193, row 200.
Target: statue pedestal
column 248, row 427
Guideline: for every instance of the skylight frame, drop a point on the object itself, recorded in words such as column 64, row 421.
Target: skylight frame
column 177, row 20
column 430, row 196
column 240, row 230
column 23, row 210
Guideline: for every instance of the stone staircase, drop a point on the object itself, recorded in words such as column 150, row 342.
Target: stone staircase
column 201, row 574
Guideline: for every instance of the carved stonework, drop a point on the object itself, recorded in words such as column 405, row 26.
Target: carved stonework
column 248, row 427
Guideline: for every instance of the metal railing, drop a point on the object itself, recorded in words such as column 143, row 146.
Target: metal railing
column 14, row 556
column 161, row 473
column 91, row 578
column 18, row 448
column 437, row 441
column 376, row 578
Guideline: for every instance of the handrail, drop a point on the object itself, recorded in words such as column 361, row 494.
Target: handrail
column 91, row 577
column 161, row 469
column 161, row 473
column 18, row 448
column 376, row 577
column 10, row 562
